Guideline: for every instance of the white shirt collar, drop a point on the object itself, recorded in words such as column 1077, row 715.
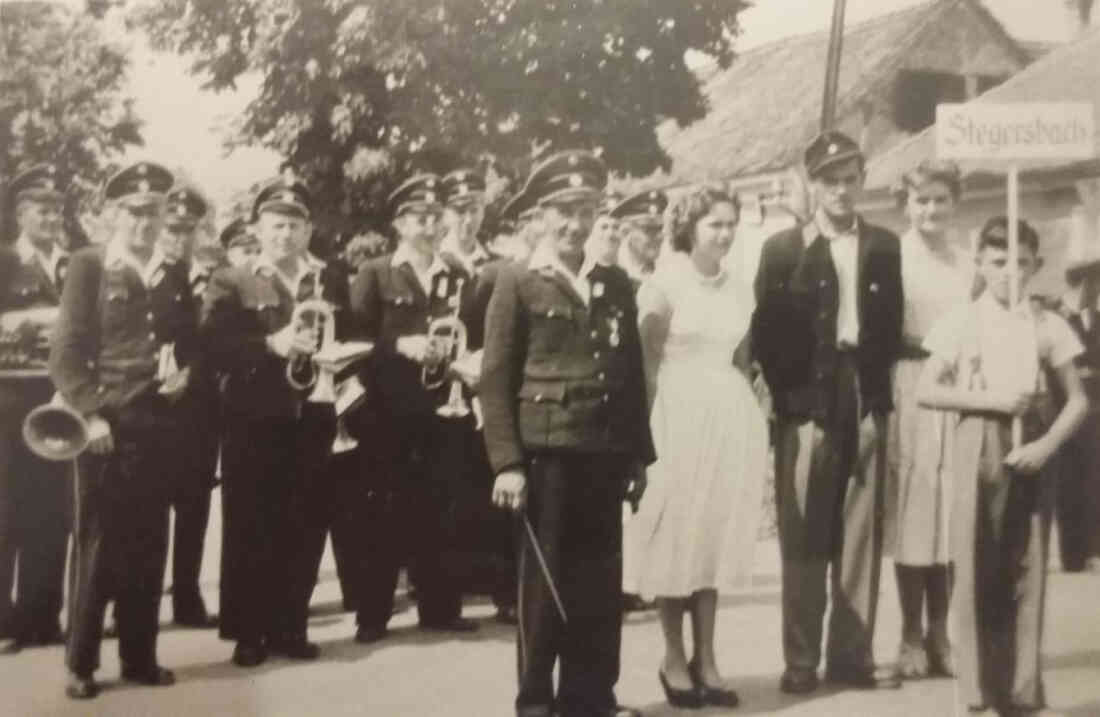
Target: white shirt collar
column 820, row 225
column 117, row 255
column 469, row 259
column 544, row 258
column 405, row 255
column 307, row 264
column 29, row 252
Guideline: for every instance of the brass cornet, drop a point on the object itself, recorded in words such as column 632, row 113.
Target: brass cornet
column 304, row 371
column 55, row 431
column 449, row 336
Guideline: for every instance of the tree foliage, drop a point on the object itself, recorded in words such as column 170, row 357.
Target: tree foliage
column 355, row 91
column 62, row 97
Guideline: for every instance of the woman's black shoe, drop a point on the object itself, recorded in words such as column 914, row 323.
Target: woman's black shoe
column 717, row 696
column 690, row 698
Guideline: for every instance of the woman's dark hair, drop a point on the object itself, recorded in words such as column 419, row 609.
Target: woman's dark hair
column 687, row 209
column 929, row 170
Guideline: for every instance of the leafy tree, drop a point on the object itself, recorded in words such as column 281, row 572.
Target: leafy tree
column 357, row 92
column 62, row 98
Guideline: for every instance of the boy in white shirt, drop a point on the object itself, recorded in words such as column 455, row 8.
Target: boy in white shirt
column 990, row 362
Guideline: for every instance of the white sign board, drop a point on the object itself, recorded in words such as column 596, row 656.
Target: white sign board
column 1015, row 131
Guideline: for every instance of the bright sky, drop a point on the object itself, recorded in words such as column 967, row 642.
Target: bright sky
column 184, row 125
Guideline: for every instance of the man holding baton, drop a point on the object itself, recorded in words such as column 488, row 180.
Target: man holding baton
column 567, row 432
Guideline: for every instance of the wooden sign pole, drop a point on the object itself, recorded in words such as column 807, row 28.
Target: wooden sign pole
column 1014, row 267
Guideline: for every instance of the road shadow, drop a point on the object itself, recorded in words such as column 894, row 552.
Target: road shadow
column 760, row 695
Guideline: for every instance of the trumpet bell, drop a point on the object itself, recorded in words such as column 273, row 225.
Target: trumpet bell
column 55, row 433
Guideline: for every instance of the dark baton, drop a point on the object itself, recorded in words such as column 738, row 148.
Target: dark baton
column 545, row 568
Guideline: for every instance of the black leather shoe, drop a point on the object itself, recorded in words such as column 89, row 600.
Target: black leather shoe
column 248, row 655
column 459, row 624
column 716, row 696
column 81, row 688
column 297, row 649
column 152, row 675
column 798, row 682
column 366, row 634
column 690, row 698
column 862, row 678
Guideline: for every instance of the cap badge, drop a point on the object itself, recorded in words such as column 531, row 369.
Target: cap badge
column 288, row 197
column 575, row 180
column 573, row 160
column 463, row 189
column 597, row 289
column 48, row 184
column 652, row 208
column 429, row 197
column 832, row 149
column 181, row 210
column 143, row 186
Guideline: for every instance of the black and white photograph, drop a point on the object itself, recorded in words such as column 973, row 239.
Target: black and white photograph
column 550, row 358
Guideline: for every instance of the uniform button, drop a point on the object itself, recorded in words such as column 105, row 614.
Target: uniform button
column 178, row 298
column 602, row 376
column 606, row 398
column 538, row 398
column 824, row 315
column 149, row 316
column 91, row 364
column 821, row 284
column 595, row 334
column 550, row 313
column 596, row 355
column 99, row 389
column 152, row 335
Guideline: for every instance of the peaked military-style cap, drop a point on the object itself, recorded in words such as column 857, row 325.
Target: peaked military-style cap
column 140, row 183
column 829, row 148
column 284, row 195
column 462, row 186
column 39, row 183
column 648, row 206
column 566, row 175
column 236, row 233
column 184, row 205
column 608, row 203
column 419, row 190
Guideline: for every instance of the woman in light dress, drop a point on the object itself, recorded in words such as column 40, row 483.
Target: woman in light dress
column 936, row 275
column 696, row 524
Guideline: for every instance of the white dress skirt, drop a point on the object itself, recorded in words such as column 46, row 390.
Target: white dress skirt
column 697, row 522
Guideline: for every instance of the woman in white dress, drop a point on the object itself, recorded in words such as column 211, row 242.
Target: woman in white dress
column 696, row 524
column 936, row 276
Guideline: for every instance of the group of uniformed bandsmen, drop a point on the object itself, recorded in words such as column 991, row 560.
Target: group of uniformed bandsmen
column 190, row 369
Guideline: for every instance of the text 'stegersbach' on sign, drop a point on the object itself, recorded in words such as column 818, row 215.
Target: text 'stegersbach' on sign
column 1015, row 131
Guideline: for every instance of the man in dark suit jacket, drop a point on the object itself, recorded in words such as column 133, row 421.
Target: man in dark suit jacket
column 567, row 431
column 413, row 464
column 35, row 495
column 826, row 331
column 277, row 442
column 121, row 358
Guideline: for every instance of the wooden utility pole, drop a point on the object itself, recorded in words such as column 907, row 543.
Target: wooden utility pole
column 832, row 66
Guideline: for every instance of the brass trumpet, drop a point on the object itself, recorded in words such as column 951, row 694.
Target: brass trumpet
column 304, row 371
column 448, row 334
column 55, row 431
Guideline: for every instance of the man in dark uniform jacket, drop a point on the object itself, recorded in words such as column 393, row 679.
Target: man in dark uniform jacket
column 277, row 442
column 640, row 219
column 410, row 512
column 567, row 432
column 120, row 356
column 184, row 209
column 35, row 495
column 1079, row 461
column 827, row 330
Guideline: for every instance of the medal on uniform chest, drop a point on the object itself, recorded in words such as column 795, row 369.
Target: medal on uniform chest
column 597, row 289
column 613, row 326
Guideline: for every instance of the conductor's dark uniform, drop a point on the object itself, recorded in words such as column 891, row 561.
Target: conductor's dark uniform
column 277, row 445
column 35, row 495
column 564, row 400
column 826, row 335
column 412, row 459
column 106, row 360
column 190, row 499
